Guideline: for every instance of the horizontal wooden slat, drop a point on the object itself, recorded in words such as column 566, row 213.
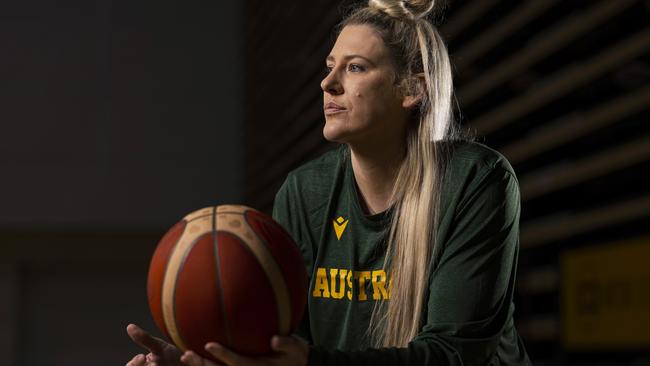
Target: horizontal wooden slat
column 566, row 174
column 549, row 41
column 564, row 81
column 465, row 17
column 546, row 230
column 570, row 127
column 491, row 37
column 538, row 280
column 541, row 328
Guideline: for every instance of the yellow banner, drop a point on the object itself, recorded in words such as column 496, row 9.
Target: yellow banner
column 606, row 296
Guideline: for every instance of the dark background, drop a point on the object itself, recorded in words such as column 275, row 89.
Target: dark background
column 119, row 117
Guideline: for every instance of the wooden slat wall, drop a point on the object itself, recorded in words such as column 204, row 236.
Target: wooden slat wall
column 559, row 87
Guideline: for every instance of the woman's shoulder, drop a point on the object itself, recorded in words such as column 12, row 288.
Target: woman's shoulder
column 477, row 176
column 471, row 157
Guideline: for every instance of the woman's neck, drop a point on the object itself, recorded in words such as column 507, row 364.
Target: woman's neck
column 375, row 170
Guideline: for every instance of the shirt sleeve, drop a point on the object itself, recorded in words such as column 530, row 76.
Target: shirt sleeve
column 470, row 290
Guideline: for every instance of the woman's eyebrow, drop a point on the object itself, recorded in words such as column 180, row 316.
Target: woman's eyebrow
column 347, row 57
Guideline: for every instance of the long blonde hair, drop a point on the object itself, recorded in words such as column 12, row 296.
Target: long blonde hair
column 422, row 68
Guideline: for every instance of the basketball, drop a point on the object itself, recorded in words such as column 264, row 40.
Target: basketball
column 228, row 274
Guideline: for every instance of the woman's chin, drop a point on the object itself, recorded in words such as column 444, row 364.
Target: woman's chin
column 333, row 133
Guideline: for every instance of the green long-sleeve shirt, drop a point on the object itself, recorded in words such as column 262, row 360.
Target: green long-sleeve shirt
column 468, row 312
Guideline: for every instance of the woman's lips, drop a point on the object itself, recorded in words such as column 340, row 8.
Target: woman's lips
column 333, row 108
column 329, row 111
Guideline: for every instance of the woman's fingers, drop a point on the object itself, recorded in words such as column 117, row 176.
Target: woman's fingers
column 294, row 348
column 286, row 343
column 223, row 354
column 192, row 359
column 138, row 360
column 144, row 339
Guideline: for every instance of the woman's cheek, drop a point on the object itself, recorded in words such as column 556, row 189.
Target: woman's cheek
column 356, row 93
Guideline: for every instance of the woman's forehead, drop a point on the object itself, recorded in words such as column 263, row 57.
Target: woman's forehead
column 359, row 40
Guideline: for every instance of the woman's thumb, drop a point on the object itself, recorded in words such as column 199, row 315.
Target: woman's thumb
column 284, row 343
column 144, row 339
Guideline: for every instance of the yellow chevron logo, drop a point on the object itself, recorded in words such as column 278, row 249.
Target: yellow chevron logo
column 339, row 226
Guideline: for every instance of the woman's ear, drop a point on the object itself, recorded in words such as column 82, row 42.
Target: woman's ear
column 411, row 101
column 413, row 91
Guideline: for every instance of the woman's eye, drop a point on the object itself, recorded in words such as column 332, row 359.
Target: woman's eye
column 355, row 68
column 327, row 70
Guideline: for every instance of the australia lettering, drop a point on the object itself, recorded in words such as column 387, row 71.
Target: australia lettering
column 341, row 284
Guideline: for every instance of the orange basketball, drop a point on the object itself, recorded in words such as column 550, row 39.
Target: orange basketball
column 229, row 274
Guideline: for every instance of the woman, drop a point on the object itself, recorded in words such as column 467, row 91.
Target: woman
column 410, row 234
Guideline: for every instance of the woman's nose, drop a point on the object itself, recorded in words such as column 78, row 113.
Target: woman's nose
column 331, row 84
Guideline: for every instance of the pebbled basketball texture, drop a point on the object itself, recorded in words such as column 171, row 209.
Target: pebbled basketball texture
column 229, row 274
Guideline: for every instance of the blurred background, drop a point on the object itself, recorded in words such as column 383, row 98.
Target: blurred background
column 119, row 117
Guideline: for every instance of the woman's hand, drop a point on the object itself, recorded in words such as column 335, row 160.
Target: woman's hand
column 289, row 351
column 160, row 353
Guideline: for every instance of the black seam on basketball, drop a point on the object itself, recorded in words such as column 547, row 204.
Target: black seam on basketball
column 217, row 267
column 286, row 283
column 180, row 270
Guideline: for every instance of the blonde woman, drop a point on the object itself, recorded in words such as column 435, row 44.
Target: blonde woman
column 409, row 233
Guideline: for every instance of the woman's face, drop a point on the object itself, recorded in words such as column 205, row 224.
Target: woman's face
column 361, row 101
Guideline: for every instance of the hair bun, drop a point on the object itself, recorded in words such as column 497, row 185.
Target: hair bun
column 403, row 9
